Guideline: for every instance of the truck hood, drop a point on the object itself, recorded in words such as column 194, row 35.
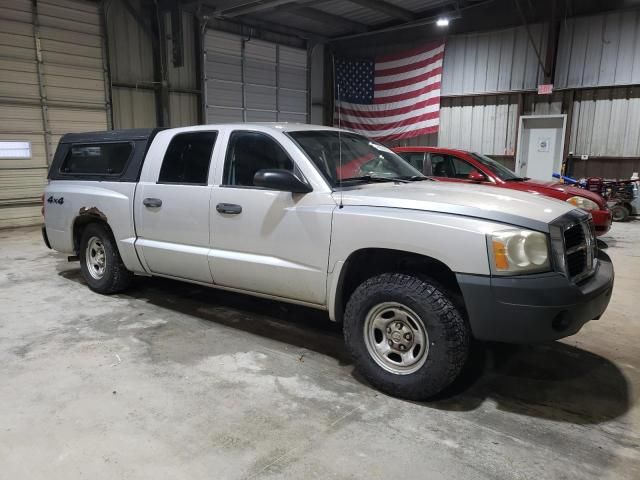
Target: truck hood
column 491, row 203
column 549, row 188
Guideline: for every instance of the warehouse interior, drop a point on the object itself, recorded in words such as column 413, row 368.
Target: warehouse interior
column 174, row 380
column 166, row 64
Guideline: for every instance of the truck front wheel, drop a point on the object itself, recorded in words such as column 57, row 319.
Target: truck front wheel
column 100, row 261
column 406, row 336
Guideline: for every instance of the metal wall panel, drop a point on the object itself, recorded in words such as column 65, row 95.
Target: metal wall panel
column 19, row 216
column 498, row 61
column 601, row 50
column 254, row 80
column 606, row 122
column 72, row 67
column 21, row 180
column 183, row 108
column 485, row 124
column 52, row 82
column 133, row 108
column 130, row 51
column 185, row 76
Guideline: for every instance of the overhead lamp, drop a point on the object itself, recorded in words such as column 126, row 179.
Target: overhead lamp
column 442, row 22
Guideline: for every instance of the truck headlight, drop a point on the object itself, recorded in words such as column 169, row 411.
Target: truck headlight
column 518, row 251
column 583, row 203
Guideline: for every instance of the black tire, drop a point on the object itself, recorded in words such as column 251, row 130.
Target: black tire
column 620, row 213
column 115, row 277
column 448, row 335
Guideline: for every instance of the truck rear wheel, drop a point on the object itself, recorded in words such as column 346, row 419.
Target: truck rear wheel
column 100, row 261
column 406, row 336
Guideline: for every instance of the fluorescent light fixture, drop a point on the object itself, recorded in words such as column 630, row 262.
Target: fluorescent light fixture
column 15, row 150
column 442, row 22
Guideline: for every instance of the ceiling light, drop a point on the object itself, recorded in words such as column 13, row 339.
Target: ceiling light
column 442, row 22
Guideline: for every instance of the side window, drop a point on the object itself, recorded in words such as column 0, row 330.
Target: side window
column 187, row 158
column 249, row 152
column 97, row 159
column 462, row 168
column 441, row 166
column 416, row 160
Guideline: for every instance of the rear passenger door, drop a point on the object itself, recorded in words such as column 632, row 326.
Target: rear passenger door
column 172, row 210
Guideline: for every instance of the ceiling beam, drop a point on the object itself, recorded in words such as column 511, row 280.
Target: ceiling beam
column 282, row 29
column 387, row 8
column 323, row 17
column 256, row 6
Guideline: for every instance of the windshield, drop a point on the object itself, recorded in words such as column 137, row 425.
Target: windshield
column 496, row 168
column 362, row 159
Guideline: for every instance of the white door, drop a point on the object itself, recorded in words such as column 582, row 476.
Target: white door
column 172, row 213
column 266, row 241
column 540, row 146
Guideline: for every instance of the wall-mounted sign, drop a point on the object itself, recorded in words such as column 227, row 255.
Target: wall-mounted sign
column 545, row 89
column 543, row 144
column 14, row 150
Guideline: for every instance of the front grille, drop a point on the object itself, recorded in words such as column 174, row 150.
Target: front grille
column 580, row 250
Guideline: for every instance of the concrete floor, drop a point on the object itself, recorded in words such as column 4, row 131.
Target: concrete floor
column 175, row 381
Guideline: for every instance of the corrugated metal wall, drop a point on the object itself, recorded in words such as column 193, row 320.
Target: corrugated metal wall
column 606, row 122
column 53, row 82
column 500, row 61
column 254, row 80
column 21, row 180
column 130, row 63
column 484, row 124
column 597, row 51
column 132, row 70
column 73, row 66
column 601, row 50
column 183, row 81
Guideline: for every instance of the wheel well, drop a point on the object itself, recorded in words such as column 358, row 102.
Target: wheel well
column 81, row 222
column 369, row 262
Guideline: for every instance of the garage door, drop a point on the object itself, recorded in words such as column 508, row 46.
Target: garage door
column 52, row 82
column 253, row 80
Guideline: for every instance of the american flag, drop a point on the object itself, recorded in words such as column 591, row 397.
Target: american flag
column 390, row 97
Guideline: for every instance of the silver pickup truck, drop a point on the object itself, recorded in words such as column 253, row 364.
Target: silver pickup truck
column 414, row 269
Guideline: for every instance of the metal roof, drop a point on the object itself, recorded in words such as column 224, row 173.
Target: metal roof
column 332, row 19
column 340, row 20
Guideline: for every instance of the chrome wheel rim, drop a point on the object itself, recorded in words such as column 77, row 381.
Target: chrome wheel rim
column 396, row 338
column 95, row 257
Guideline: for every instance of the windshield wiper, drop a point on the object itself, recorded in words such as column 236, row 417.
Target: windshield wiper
column 517, row 179
column 417, row 178
column 373, row 179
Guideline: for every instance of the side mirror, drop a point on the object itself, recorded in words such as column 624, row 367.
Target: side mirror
column 283, row 180
column 476, row 176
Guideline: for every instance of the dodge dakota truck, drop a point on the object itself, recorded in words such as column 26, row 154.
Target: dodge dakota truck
column 413, row 269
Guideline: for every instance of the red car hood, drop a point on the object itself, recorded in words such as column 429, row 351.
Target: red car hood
column 562, row 191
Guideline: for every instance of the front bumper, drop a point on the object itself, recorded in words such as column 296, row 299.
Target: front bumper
column 601, row 221
column 535, row 308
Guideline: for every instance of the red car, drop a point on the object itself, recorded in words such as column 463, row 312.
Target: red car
column 451, row 165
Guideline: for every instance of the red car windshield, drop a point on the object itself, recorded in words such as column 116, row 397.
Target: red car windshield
column 499, row 170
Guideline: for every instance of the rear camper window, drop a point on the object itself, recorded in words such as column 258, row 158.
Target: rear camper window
column 97, row 159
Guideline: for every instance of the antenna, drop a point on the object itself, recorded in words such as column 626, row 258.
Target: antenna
column 339, row 172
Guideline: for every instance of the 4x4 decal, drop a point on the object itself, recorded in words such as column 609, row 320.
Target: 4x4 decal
column 52, row 199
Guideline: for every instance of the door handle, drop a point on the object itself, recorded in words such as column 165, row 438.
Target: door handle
column 152, row 202
column 229, row 208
